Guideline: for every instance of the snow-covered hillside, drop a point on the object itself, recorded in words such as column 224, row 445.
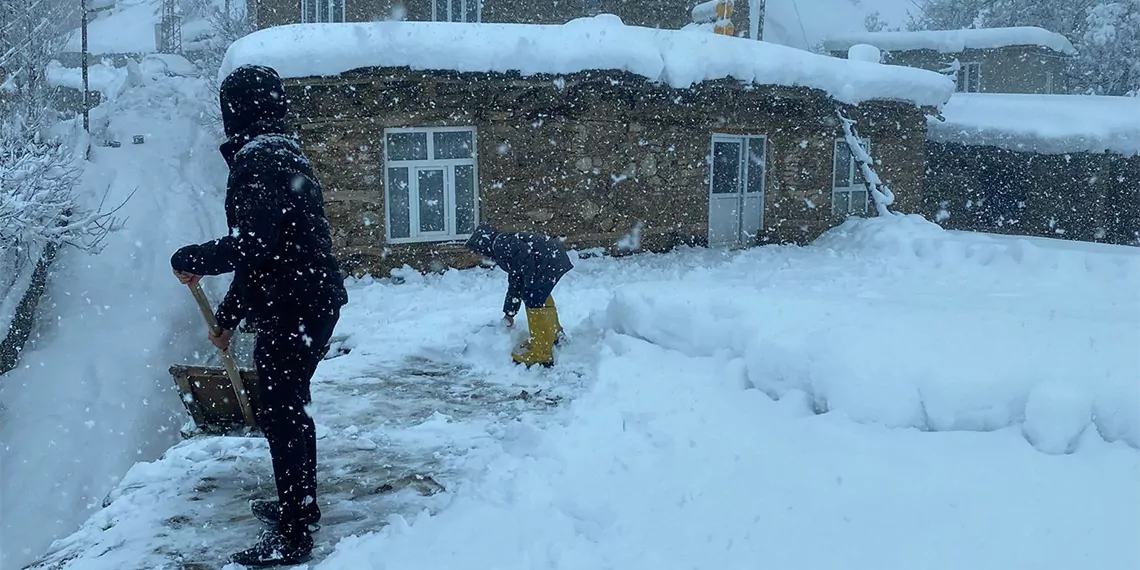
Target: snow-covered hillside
column 93, row 396
column 805, row 24
column 893, row 396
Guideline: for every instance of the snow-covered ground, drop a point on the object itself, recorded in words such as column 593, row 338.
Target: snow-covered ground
column 893, row 396
column 93, row 396
column 128, row 27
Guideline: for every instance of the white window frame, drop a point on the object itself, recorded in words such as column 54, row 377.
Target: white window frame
column 452, row 6
column 448, row 165
column 328, row 7
column 964, row 85
column 843, row 194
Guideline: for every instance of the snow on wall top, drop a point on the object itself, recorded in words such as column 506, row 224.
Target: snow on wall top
column 954, row 41
column 678, row 58
column 1048, row 124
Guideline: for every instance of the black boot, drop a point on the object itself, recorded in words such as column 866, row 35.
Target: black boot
column 276, row 549
column 266, row 510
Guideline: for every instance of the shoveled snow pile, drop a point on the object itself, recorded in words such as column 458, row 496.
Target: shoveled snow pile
column 1049, row 124
column 679, row 58
column 955, row 41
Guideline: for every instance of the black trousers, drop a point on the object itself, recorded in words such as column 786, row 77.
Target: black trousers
column 286, row 353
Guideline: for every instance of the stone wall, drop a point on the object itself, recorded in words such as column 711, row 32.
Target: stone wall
column 588, row 156
column 1079, row 196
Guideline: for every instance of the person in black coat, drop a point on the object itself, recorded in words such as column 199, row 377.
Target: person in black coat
column 287, row 284
column 534, row 265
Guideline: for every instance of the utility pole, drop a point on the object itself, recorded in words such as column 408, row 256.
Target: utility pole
column 86, row 86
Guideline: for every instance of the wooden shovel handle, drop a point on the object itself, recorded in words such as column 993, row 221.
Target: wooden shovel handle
column 227, row 357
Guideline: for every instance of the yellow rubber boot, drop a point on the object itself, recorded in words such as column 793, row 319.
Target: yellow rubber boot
column 542, row 322
column 559, row 334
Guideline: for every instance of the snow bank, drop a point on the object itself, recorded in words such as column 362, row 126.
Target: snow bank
column 678, row 58
column 893, row 353
column 955, row 41
column 1050, row 124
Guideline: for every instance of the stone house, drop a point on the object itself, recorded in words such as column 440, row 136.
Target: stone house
column 667, row 14
column 591, row 145
column 1060, row 166
column 989, row 60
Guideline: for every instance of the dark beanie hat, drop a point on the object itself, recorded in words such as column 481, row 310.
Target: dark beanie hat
column 249, row 94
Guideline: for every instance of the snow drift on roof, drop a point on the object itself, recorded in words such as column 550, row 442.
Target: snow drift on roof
column 954, row 41
column 676, row 57
column 1049, row 124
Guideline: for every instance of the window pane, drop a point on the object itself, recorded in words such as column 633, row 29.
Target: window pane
column 859, row 202
column 726, row 167
column 407, row 146
column 755, row 165
column 322, row 10
column 464, row 199
column 842, row 164
column 431, row 203
column 441, row 14
column 453, row 144
column 337, row 11
column 309, row 11
column 839, row 203
column 471, row 10
column 399, row 222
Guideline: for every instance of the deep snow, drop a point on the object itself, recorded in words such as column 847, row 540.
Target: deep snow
column 679, row 58
column 92, row 396
column 893, row 396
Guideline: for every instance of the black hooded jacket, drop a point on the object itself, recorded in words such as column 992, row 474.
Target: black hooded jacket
column 533, row 263
column 279, row 246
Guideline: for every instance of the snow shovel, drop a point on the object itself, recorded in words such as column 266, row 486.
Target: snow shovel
column 204, row 390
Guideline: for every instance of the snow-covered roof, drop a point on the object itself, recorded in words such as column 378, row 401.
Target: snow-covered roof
column 678, row 58
column 1049, row 124
column 954, row 41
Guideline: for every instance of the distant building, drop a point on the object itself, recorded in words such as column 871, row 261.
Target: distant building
column 667, row 14
column 990, row 60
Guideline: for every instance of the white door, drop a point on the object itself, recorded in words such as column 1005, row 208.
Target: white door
column 736, row 190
